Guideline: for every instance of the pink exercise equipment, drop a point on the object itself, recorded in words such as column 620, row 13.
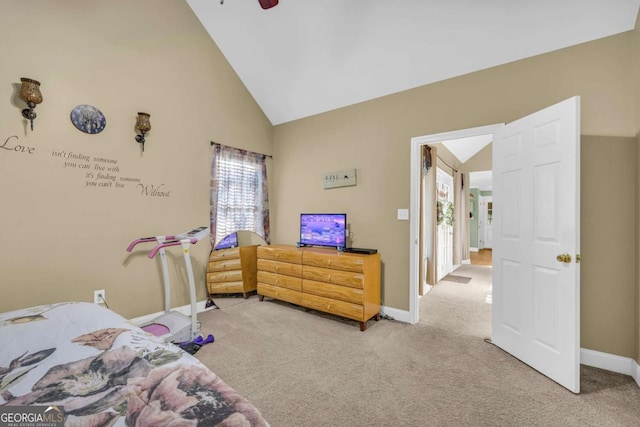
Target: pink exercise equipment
column 172, row 325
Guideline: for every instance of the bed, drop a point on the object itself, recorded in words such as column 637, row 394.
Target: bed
column 100, row 370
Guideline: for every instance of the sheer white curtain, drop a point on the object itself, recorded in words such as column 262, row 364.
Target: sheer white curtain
column 239, row 199
column 461, row 221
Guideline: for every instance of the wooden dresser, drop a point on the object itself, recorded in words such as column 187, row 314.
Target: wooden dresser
column 232, row 271
column 340, row 283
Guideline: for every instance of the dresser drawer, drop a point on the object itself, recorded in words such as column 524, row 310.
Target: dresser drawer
column 337, row 292
column 340, row 308
column 282, row 294
column 289, row 282
column 344, row 262
column 226, row 288
column 225, row 264
column 225, row 276
column 280, row 267
column 224, row 254
column 337, row 277
column 293, row 256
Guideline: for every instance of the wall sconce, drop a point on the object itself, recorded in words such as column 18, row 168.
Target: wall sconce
column 30, row 93
column 143, row 125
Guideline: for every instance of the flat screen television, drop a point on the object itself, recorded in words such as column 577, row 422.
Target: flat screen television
column 229, row 241
column 318, row 229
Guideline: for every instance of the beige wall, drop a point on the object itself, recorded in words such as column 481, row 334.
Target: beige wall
column 608, row 240
column 60, row 240
column 374, row 137
column 481, row 161
column 636, row 73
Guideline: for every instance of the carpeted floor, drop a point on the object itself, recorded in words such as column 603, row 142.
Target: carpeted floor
column 304, row 368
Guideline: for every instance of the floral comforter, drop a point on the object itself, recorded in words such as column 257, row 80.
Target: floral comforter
column 103, row 371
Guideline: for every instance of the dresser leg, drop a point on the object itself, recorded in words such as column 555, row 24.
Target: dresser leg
column 261, row 297
column 363, row 326
column 244, row 294
column 377, row 317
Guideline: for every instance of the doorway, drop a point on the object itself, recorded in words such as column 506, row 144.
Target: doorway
column 485, row 221
column 535, row 310
column 415, row 231
column 449, row 204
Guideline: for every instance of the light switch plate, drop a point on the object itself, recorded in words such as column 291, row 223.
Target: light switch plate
column 403, row 214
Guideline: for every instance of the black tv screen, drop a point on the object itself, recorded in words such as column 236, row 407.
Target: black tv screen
column 229, row 241
column 318, row 229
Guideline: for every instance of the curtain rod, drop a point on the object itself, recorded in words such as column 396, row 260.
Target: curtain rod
column 217, row 143
column 451, row 167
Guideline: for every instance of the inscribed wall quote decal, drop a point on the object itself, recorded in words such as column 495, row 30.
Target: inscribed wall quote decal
column 96, row 171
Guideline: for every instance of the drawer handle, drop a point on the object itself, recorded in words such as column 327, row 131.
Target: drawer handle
column 328, row 306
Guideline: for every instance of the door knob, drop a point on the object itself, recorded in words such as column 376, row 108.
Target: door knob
column 566, row 258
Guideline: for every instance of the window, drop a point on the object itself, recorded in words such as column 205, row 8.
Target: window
column 239, row 199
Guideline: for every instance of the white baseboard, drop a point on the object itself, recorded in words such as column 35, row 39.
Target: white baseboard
column 399, row 315
column 611, row 362
column 635, row 372
column 474, row 249
column 185, row 309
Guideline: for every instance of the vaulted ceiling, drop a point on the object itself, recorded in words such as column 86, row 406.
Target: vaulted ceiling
column 304, row 57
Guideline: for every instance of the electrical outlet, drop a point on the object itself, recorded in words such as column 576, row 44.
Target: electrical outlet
column 99, row 297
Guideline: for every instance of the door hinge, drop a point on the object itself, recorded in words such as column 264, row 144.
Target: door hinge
column 578, row 258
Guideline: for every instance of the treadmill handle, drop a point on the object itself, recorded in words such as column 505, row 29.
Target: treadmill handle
column 148, row 239
column 155, row 250
column 140, row 240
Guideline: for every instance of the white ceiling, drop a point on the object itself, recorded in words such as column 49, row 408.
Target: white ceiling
column 466, row 148
column 305, row 57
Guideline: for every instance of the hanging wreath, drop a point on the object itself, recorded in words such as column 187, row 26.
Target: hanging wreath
column 448, row 215
column 439, row 213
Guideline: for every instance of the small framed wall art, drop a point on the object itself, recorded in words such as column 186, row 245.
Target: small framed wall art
column 344, row 178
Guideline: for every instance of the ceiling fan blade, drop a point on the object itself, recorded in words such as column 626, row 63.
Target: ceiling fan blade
column 268, row 4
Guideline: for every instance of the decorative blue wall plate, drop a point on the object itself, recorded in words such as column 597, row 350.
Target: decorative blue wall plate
column 88, row 119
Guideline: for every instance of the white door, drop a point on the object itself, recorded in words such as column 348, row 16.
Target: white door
column 487, row 221
column 536, row 219
column 444, row 230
